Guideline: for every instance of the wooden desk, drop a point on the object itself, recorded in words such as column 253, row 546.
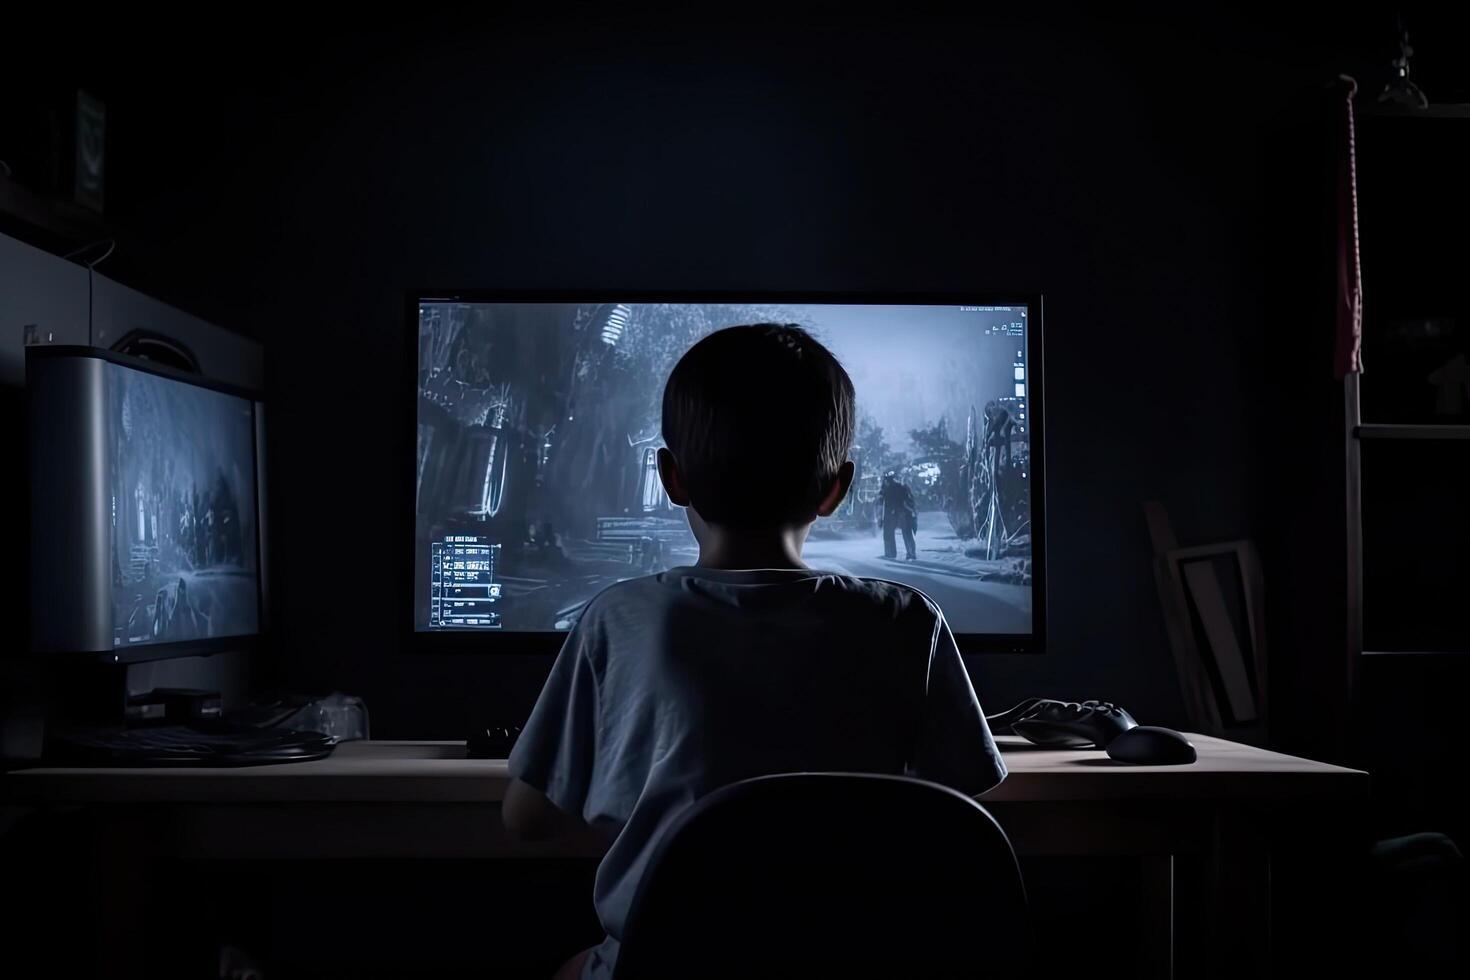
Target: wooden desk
column 438, row 772
column 1215, row 821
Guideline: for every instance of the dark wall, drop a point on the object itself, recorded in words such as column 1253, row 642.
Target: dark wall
column 1125, row 169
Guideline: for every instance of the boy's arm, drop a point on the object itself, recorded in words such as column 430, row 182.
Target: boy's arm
column 954, row 746
column 551, row 765
column 530, row 816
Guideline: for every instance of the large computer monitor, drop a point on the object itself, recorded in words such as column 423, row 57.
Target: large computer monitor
column 538, row 424
column 146, row 530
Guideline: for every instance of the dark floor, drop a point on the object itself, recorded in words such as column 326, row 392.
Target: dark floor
column 521, row 918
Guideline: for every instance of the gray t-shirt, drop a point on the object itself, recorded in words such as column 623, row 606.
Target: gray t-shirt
column 674, row 685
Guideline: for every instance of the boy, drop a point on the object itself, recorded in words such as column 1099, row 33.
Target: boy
column 748, row 663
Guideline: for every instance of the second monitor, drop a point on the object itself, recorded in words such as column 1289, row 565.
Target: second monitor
column 538, row 424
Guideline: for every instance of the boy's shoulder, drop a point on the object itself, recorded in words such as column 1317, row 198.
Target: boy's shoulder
column 626, row 597
column 899, row 599
column 843, row 594
column 641, row 588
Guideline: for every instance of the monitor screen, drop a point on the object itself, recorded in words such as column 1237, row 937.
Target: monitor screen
column 539, row 423
column 181, row 501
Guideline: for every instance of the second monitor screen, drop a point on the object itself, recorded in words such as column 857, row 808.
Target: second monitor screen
column 182, row 502
column 538, row 428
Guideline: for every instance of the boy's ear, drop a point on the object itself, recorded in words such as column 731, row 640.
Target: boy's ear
column 668, row 475
column 840, row 484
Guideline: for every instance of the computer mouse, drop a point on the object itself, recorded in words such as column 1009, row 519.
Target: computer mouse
column 1149, row 745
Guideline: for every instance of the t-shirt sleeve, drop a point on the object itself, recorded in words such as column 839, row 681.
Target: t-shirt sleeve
column 954, row 745
column 557, row 747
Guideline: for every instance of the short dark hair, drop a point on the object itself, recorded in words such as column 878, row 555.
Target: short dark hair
column 760, row 419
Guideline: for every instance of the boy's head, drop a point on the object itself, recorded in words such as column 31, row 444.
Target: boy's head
column 758, row 420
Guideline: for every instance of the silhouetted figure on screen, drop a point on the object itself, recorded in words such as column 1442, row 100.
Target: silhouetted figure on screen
column 674, row 684
column 900, row 513
column 160, row 614
column 995, row 458
column 197, row 529
column 225, row 528
column 649, row 555
column 998, row 427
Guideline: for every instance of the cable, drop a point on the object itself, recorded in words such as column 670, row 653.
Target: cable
column 111, row 247
column 109, row 242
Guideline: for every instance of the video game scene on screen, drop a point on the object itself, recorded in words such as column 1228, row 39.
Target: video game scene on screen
column 539, row 424
column 182, row 511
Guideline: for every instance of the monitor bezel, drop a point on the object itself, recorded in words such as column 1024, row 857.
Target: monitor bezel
column 205, row 646
column 549, row 642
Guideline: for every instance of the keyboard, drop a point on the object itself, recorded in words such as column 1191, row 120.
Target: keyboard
column 202, row 744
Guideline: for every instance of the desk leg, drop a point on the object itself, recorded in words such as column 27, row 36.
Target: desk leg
column 1156, row 941
column 125, row 894
column 1239, row 898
